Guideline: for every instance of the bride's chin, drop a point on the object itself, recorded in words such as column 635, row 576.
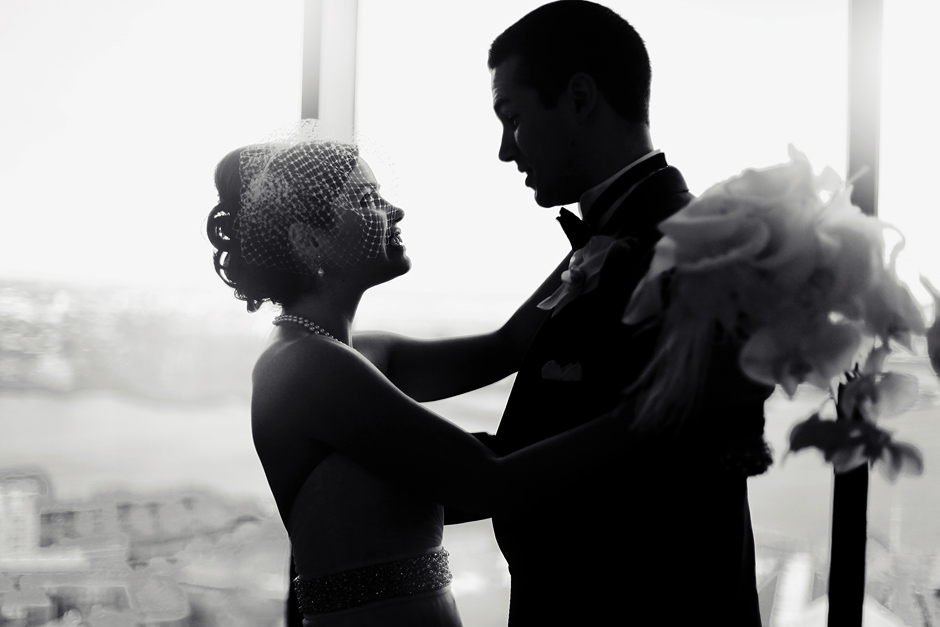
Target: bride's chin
column 401, row 270
column 405, row 265
column 400, row 258
column 398, row 267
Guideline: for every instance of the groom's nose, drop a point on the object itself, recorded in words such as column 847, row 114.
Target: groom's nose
column 507, row 147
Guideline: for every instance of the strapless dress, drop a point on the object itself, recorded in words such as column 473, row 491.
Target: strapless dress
column 368, row 553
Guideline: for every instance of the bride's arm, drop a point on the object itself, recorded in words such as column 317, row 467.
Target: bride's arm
column 429, row 370
column 322, row 391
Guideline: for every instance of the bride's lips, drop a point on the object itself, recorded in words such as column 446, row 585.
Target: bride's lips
column 393, row 239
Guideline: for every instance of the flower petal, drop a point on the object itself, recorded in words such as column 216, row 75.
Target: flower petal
column 825, row 435
column 933, row 346
column 849, row 458
column 583, row 273
column 890, row 311
column 760, row 357
column 645, row 303
column 897, row 392
column 855, row 397
column 831, row 348
column 875, row 362
column 899, row 458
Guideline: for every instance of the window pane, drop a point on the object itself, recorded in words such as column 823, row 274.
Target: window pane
column 124, row 361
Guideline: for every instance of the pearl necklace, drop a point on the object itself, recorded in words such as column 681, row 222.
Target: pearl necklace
column 310, row 325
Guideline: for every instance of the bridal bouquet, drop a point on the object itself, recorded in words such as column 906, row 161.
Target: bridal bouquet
column 779, row 259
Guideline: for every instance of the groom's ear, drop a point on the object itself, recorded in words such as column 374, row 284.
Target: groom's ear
column 582, row 90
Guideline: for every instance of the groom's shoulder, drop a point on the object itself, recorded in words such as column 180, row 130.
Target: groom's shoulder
column 657, row 197
column 665, row 192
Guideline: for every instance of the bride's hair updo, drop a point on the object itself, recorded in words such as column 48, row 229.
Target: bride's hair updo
column 264, row 189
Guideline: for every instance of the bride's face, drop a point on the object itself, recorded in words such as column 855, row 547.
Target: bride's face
column 368, row 225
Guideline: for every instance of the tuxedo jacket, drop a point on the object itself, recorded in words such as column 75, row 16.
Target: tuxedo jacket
column 663, row 535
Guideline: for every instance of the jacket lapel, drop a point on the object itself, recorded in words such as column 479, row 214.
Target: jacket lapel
column 626, row 183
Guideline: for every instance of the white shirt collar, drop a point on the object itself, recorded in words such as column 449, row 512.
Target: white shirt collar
column 588, row 197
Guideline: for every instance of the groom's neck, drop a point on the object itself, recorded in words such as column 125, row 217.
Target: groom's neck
column 611, row 149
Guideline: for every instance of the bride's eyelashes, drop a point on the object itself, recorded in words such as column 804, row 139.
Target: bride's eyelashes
column 371, row 199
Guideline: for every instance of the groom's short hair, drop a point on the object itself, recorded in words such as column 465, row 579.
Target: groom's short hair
column 559, row 39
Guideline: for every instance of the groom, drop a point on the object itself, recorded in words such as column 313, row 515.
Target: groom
column 663, row 537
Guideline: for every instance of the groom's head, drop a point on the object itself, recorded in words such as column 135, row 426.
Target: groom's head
column 568, row 77
column 560, row 39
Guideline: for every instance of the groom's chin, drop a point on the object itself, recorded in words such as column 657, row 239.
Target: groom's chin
column 550, row 198
column 542, row 199
column 546, row 201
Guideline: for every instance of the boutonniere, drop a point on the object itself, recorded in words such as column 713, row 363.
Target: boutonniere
column 583, row 273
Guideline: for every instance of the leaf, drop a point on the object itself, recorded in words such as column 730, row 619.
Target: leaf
column 848, row 444
column 825, row 435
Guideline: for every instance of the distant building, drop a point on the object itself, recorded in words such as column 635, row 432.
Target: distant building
column 799, row 599
column 130, row 597
column 130, row 560
column 20, row 494
column 25, row 608
column 73, row 557
column 70, row 520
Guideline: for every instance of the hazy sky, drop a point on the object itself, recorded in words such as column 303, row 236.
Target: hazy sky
column 115, row 113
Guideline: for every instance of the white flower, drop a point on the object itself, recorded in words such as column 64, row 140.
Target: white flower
column 792, row 353
column 583, row 273
column 746, row 244
column 574, row 277
column 781, row 258
column 874, row 396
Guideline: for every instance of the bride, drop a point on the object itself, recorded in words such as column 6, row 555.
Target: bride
column 359, row 469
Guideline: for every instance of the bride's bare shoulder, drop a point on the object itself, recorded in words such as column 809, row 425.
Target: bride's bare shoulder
column 310, row 371
column 303, row 361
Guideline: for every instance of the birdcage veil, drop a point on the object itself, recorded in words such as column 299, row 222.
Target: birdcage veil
column 309, row 174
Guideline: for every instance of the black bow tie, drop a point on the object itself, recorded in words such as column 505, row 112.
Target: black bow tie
column 577, row 230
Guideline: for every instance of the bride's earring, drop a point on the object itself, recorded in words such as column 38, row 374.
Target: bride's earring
column 304, row 242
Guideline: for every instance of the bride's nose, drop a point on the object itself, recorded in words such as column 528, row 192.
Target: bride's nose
column 395, row 214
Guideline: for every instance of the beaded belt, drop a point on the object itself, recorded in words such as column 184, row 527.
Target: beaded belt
column 352, row 588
